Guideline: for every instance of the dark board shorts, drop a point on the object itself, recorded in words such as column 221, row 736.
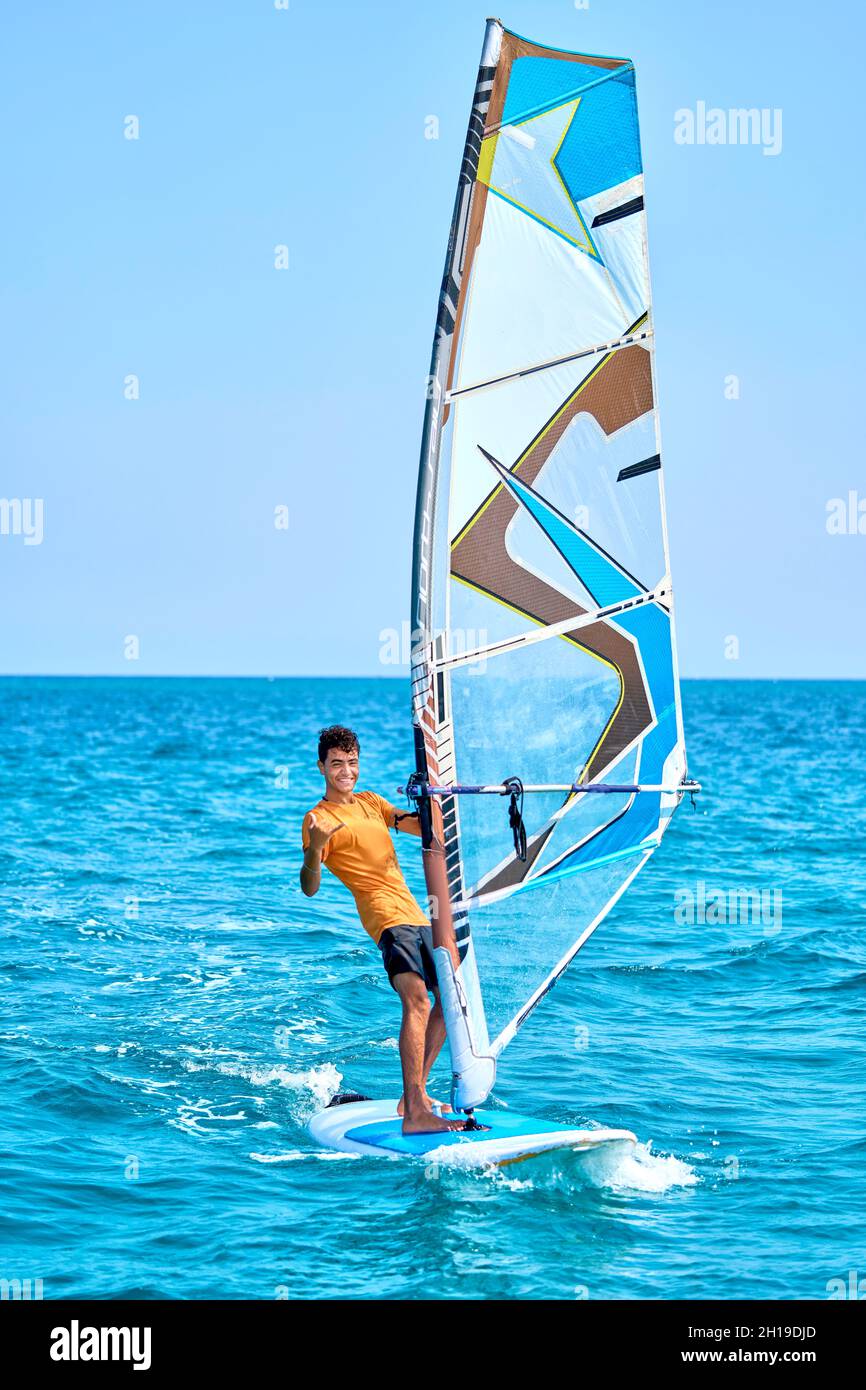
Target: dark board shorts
column 409, row 949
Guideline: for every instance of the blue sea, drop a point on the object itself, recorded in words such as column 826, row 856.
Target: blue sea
column 175, row 1010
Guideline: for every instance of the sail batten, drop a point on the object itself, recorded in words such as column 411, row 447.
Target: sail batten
column 556, row 362
column 542, row 602
column 517, row 120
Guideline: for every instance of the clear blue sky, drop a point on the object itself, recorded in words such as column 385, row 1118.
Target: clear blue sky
column 305, row 387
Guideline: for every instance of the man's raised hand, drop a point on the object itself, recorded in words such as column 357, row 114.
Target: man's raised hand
column 320, row 834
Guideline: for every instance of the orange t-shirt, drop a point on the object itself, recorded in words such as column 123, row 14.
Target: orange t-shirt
column 361, row 855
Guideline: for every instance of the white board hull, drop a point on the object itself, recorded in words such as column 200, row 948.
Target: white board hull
column 374, row 1128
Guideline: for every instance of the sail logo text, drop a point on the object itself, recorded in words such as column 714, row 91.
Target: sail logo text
column 729, row 906
column 737, row 126
column 76, row 1343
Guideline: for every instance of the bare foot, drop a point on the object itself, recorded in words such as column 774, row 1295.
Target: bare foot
column 429, row 1101
column 427, row 1123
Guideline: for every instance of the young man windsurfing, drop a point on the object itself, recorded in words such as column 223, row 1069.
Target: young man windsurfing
column 349, row 832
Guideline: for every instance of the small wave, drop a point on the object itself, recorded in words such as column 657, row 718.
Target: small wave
column 171, row 748
column 643, row 1171
column 132, row 983
column 313, row 1089
column 295, row 1156
column 621, row 1169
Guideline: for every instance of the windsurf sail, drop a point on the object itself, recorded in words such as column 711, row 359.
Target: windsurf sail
column 546, row 707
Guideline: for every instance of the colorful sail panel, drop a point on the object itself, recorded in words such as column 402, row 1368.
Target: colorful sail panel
column 542, row 599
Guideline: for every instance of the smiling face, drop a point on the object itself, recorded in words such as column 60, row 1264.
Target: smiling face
column 340, row 771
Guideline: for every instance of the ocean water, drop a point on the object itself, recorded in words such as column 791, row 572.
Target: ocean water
column 174, row 1011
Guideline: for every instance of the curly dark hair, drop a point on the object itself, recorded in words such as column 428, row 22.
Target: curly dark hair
column 337, row 736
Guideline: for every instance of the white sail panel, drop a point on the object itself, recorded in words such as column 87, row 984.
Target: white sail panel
column 519, row 265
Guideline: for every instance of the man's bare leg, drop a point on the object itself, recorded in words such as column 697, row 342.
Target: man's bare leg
column 433, row 1040
column 418, row 1117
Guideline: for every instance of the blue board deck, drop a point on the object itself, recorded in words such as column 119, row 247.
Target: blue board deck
column 388, row 1134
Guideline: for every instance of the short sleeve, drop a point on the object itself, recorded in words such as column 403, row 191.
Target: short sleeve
column 387, row 810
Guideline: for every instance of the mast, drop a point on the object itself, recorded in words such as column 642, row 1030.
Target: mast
column 429, row 694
